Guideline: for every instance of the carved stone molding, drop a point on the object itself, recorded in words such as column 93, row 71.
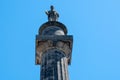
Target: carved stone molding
column 55, row 42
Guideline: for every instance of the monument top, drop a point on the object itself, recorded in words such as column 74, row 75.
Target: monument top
column 52, row 14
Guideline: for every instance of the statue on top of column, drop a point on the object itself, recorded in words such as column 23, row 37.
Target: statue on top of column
column 52, row 14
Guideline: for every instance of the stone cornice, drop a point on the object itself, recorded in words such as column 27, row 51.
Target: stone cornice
column 44, row 43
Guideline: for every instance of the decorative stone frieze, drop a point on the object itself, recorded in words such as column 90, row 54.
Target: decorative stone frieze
column 44, row 43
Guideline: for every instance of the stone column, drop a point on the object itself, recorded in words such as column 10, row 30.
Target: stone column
column 53, row 51
column 53, row 66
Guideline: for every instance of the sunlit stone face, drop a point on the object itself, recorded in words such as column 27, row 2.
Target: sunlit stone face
column 53, row 30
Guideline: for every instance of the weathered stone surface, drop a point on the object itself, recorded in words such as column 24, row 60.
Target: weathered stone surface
column 44, row 43
column 49, row 24
column 53, row 48
column 54, row 65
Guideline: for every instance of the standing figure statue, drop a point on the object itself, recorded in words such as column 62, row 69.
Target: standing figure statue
column 52, row 14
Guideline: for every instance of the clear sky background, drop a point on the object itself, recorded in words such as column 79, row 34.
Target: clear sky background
column 95, row 25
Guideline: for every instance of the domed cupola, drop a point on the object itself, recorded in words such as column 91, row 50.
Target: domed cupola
column 52, row 27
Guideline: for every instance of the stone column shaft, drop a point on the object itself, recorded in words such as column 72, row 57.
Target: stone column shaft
column 53, row 65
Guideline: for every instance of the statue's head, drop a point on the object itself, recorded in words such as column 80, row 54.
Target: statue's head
column 52, row 7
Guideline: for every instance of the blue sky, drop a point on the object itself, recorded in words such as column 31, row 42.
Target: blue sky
column 95, row 25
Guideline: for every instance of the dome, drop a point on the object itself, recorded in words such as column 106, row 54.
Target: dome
column 53, row 28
